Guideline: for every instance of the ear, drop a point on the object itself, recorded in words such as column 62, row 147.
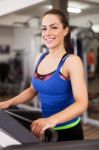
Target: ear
column 66, row 30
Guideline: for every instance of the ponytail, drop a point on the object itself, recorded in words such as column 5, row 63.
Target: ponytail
column 68, row 44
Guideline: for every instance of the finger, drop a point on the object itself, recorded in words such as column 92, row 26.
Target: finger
column 35, row 127
column 32, row 128
column 38, row 129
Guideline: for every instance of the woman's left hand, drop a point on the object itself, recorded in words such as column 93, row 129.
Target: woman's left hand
column 40, row 125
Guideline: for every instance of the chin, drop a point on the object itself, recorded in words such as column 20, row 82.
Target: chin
column 51, row 46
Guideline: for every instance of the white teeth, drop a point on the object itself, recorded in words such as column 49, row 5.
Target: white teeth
column 50, row 39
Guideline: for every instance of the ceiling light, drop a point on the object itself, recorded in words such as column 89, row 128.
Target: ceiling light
column 48, row 6
column 73, row 10
column 95, row 28
column 79, row 5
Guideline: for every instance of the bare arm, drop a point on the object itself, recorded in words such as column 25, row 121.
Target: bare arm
column 25, row 96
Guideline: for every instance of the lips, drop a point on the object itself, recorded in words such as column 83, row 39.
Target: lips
column 49, row 40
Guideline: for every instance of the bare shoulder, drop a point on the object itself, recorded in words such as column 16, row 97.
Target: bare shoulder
column 73, row 59
column 73, row 62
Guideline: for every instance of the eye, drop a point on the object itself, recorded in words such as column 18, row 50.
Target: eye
column 43, row 29
column 54, row 28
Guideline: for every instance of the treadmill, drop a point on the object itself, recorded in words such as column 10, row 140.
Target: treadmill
column 20, row 138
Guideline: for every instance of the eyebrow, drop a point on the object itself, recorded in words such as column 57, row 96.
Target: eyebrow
column 50, row 25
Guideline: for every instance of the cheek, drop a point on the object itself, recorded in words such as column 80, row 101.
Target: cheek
column 60, row 33
column 60, row 36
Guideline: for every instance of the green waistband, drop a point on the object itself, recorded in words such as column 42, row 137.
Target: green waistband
column 68, row 125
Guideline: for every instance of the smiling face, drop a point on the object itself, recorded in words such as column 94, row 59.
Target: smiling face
column 53, row 32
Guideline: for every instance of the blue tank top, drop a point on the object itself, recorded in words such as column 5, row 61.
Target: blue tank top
column 55, row 94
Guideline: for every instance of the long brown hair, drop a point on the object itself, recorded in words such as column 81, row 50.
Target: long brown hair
column 64, row 21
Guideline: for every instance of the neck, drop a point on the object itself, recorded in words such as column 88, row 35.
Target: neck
column 57, row 52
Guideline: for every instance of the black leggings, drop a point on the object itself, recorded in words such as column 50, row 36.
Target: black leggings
column 74, row 133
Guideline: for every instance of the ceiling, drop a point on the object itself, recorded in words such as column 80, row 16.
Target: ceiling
column 90, row 12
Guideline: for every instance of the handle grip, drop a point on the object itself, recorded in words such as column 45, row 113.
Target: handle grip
column 50, row 135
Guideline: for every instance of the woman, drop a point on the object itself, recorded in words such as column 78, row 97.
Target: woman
column 58, row 79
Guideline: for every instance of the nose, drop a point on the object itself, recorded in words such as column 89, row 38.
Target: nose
column 48, row 31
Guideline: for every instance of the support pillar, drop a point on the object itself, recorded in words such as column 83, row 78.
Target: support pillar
column 60, row 4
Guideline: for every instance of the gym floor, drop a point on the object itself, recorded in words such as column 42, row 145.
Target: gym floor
column 91, row 132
